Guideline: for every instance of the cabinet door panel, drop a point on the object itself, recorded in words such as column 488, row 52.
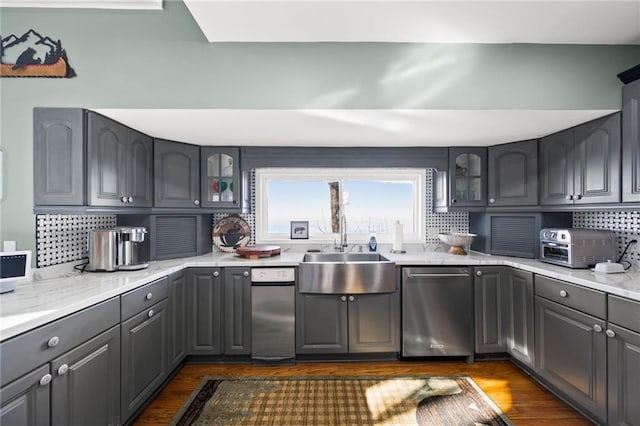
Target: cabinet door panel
column 490, row 309
column 144, row 357
column 177, row 174
column 205, row 319
column 177, row 311
column 139, row 183
column 58, row 156
column 107, row 170
column 597, row 161
column 571, row 355
column 624, row 376
column 631, row 142
column 520, row 335
column 321, row 324
column 88, row 393
column 374, row 323
column 467, row 177
column 513, row 174
column 24, row 401
column 220, row 179
column 556, row 168
column 237, row 311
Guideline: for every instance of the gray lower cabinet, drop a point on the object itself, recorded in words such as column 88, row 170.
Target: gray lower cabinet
column 26, row 400
column 144, row 357
column 177, row 314
column 631, row 142
column 85, row 389
column 321, row 324
column 513, row 174
column 58, row 156
column 581, row 165
column 491, row 309
column 571, row 355
column 176, row 174
column 205, row 313
column 520, row 339
column 374, row 322
column 623, row 353
column 335, row 324
column 237, row 311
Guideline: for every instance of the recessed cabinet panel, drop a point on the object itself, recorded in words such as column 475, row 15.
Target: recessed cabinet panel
column 25, row 401
column 237, row 311
column 177, row 310
column 623, row 376
column 374, row 323
column 177, row 174
column 490, row 308
column 321, row 324
column 556, row 168
column 513, row 174
column 220, row 181
column 139, row 186
column 631, row 142
column 520, row 329
column 205, row 316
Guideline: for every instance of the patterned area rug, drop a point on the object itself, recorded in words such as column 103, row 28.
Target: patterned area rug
column 447, row 401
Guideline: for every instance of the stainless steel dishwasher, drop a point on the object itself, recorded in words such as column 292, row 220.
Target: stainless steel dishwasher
column 273, row 315
column 437, row 312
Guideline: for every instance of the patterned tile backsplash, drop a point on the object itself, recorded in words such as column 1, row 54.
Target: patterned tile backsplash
column 625, row 224
column 62, row 238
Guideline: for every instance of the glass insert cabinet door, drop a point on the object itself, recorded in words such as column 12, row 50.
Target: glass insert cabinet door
column 467, row 176
column 220, row 180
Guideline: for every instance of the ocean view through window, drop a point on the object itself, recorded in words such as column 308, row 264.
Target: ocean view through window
column 372, row 200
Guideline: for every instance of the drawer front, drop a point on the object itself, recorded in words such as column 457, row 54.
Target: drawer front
column 144, row 297
column 584, row 299
column 624, row 312
column 37, row 347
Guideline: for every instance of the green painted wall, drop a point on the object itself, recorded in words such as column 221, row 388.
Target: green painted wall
column 160, row 59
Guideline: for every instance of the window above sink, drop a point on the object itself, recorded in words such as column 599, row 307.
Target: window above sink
column 372, row 200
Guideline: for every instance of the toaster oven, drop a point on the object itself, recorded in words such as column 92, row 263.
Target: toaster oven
column 577, row 248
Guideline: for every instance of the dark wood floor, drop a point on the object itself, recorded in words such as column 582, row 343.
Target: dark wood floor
column 520, row 397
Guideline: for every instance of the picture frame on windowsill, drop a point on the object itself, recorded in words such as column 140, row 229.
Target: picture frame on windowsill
column 299, row 230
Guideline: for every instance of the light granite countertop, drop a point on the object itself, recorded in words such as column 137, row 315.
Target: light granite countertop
column 36, row 303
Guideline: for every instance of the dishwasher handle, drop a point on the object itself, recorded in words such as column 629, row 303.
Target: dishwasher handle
column 437, row 275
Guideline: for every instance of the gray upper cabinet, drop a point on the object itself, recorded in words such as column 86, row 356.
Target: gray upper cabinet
column 205, row 314
column 631, row 142
column 176, row 174
column 58, row 156
column 520, row 338
column 220, row 181
column 177, row 313
column 513, row 174
column 321, row 324
column 490, row 308
column 26, row 401
column 374, row 322
column 582, row 165
column 237, row 311
column 467, row 177
column 120, row 164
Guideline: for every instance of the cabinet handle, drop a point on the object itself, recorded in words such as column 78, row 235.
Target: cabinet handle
column 216, row 273
column 569, row 197
column 563, row 293
column 196, row 202
column 124, row 199
column 453, row 200
column 63, row 370
column 235, row 201
column 45, row 380
column 610, row 333
column 597, row 328
column 149, row 296
column 492, row 200
column 130, row 199
column 245, row 273
column 53, row 342
column 150, row 314
column 479, row 273
column 351, row 298
column 343, row 298
column 577, row 197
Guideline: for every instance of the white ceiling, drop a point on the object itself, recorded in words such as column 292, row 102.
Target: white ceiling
column 420, row 21
column 335, row 127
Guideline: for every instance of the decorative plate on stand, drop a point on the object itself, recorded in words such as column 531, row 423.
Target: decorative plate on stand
column 230, row 233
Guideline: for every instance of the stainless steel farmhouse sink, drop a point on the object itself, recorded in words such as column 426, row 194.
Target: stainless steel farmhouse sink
column 346, row 273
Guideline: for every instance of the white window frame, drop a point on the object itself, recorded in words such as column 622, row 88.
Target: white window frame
column 416, row 176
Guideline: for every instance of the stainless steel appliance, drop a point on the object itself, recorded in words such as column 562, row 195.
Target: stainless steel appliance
column 577, row 248
column 437, row 312
column 273, row 315
column 115, row 249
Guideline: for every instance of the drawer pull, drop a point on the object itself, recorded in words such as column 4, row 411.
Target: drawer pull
column 45, row 380
column 53, row 342
column 563, row 293
column 196, row 202
column 149, row 296
column 216, row 273
column 610, row 333
column 597, row 328
column 124, row 199
column 245, row 273
column 150, row 314
column 479, row 273
column 63, row 370
column 130, row 199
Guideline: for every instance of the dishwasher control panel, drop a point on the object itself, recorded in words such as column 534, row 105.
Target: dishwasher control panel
column 273, row 275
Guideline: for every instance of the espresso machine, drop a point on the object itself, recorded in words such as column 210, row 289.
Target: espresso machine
column 116, row 249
